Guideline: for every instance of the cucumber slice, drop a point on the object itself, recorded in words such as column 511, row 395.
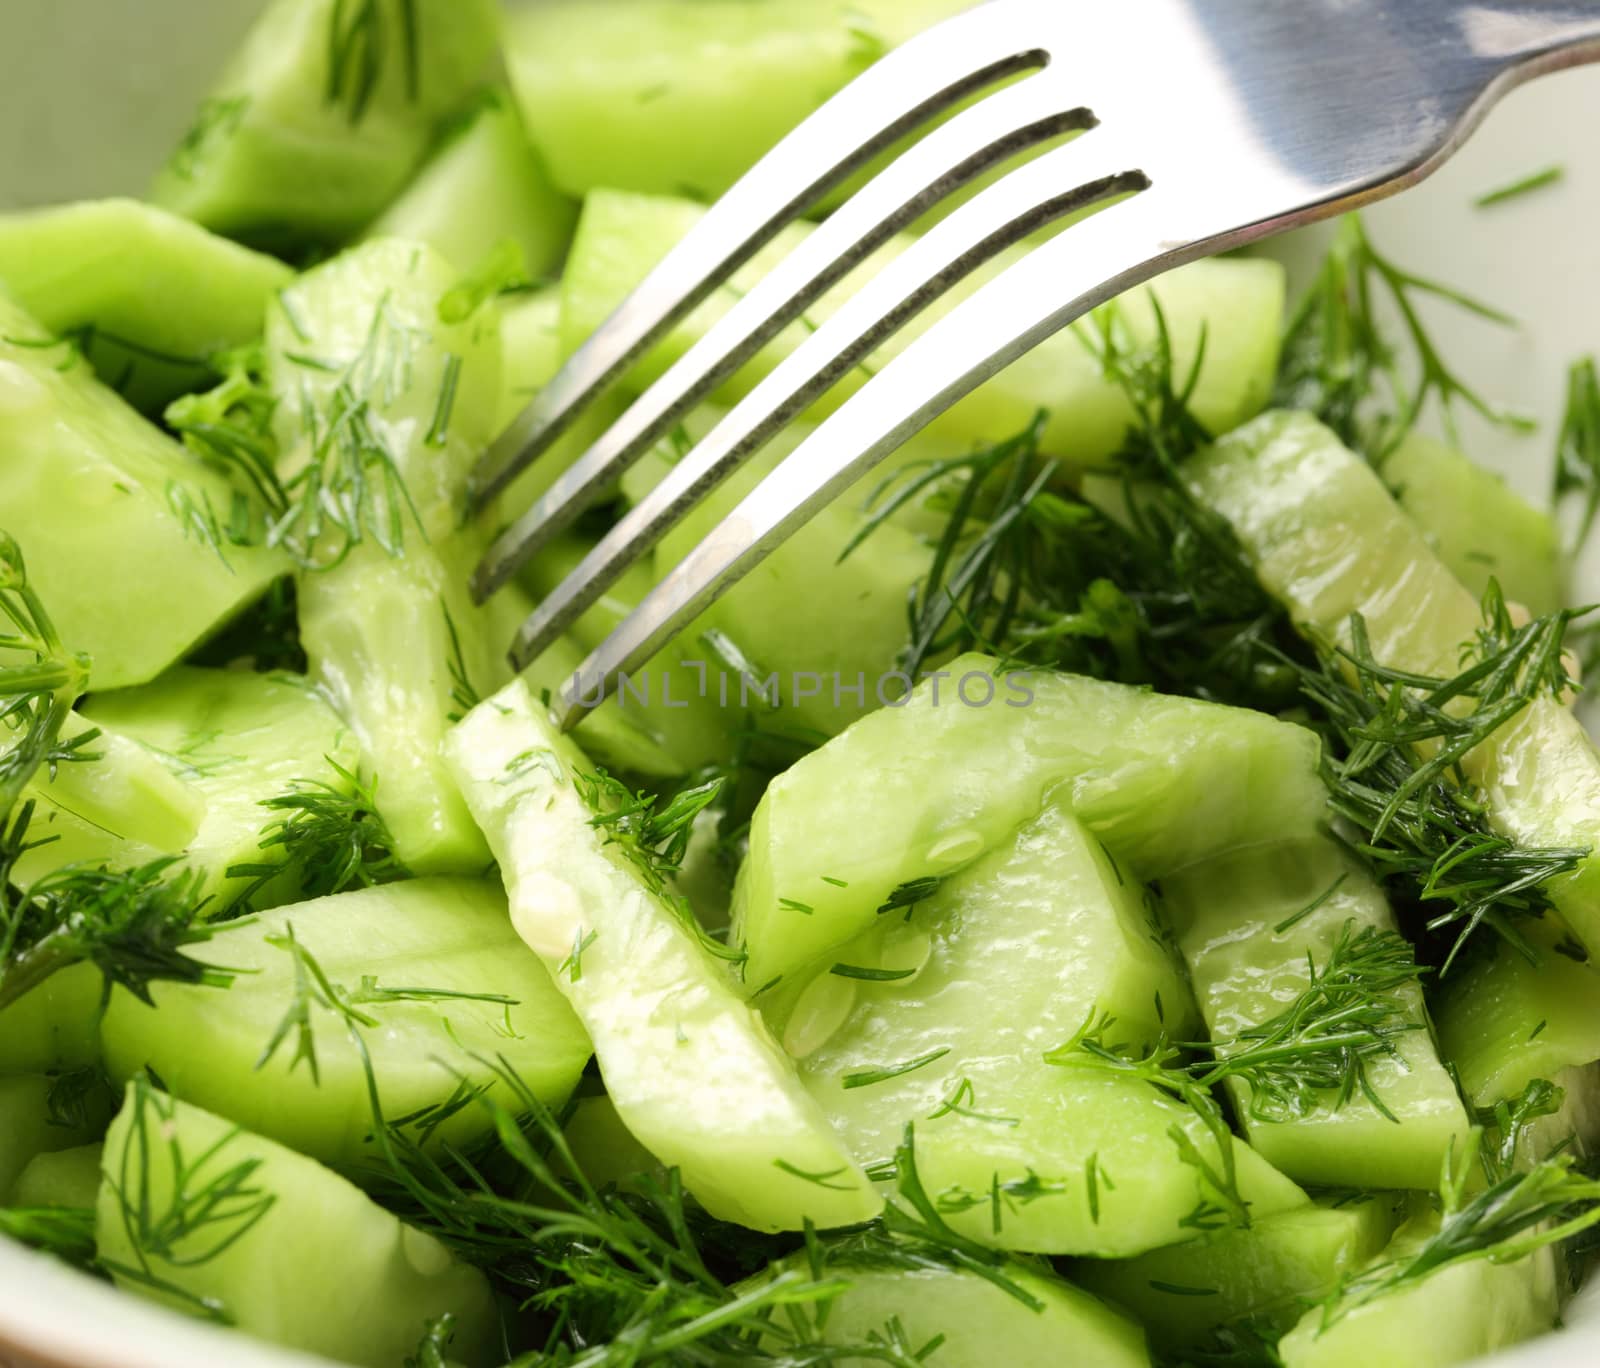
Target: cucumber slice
column 54, row 1027
column 1328, row 540
column 603, row 1145
column 912, row 793
column 154, row 296
column 1459, row 1313
column 1504, row 1022
column 1477, row 525
column 690, row 1068
column 942, row 1018
column 210, row 1219
column 485, row 186
column 323, row 114
column 27, row 1128
column 121, row 527
column 1265, row 1274
column 235, row 740
column 391, row 636
column 965, row 1321
column 622, row 236
column 444, row 935
column 1226, row 915
column 60, row 1178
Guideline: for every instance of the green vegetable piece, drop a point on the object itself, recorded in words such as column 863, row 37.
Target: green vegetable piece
column 1251, row 926
column 941, row 1017
column 125, row 533
column 912, row 793
column 208, row 1218
column 323, row 115
column 1329, row 541
column 485, row 186
column 691, row 1069
column 55, row 1026
column 60, row 1178
column 150, row 296
column 603, row 1145
column 433, row 962
column 1477, row 526
column 1264, row 1274
column 28, row 1128
column 383, row 410
column 622, row 236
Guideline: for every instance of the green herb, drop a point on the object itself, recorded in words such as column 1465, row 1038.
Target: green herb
column 230, row 428
column 360, row 34
column 1508, row 1121
column 463, row 695
column 433, row 1351
column 871, row 975
column 867, row 1078
column 80, row 1097
column 439, row 429
column 1178, row 1290
column 1537, row 180
column 963, row 1101
column 504, row 269
column 217, row 121
column 912, row 892
column 819, row 1179
column 572, row 966
column 1318, row 902
column 265, row 638
column 1577, row 476
column 66, row 1232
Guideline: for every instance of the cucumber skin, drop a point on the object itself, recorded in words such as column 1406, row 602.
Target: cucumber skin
column 690, row 1067
column 272, row 160
column 621, row 237
column 86, row 489
column 205, row 1043
column 325, row 1269
column 144, row 275
column 1326, row 539
column 875, row 805
column 1224, row 914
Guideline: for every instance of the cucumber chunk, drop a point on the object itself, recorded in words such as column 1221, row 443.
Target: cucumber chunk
column 622, row 236
column 1264, row 1274
column 1458, row 1313
column 235, row 740
column 153, row 296
column 442, row 935
column 389, row 628
column 1327, row 540
column 1226, row 915
column 485, row 186
column 60, row 1178
column 122, row 528
column 210, row 1219
column 54, row 1027
column 914, row 792
column 323, row 115
column 1475, row 523
column 965, row 1321
column 941, row 1018
column 691, row 1069
column 28, row 1129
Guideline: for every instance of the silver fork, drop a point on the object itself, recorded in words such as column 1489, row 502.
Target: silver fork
column 1201, row 125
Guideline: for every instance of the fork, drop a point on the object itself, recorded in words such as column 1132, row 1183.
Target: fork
column 1198, row 125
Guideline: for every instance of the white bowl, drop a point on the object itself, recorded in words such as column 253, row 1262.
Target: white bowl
column 95, row 92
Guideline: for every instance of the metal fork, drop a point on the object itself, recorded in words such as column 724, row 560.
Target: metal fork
column 1202, row 125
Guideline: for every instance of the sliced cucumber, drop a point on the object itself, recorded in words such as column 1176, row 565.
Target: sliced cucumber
column 60, row 1178
column 1460, row 1312
column 390, row 630
column 28, row 1129
column 153, row 296
column 914, row 792
column 1328, row 540
column 123, row 530
column 690, row 1068
column 235, row 740
column 210, row 1219
column 941, row 1018
column 1477, row 525
column 486, row 185
column 448, row 936
column 1242, row 924
column 323, row 115
column 54, row 1027
column 622, row 236
column 1264, row 1274
column 603, row 1145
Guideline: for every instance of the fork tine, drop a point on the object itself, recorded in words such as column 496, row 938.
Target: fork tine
column 1062, row 181
column 976, row 140
column 897, row 95
column 1045, row 291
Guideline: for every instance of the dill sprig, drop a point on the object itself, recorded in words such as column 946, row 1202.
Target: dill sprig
column 66, row 1232
column 1577, row 474
column 1338, row 363
column 229, row 427
column 331, row 838
column 133, row 925
column 1508, row 1121
column 1418, row 821
column 265, row 638
column 40, row 680
column 360, row 33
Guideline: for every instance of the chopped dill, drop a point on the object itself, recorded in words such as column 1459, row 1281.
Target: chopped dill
column 1525, row 185
column 1577, row 474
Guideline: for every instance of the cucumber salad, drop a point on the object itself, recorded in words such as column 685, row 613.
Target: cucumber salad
column 1119, row 887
